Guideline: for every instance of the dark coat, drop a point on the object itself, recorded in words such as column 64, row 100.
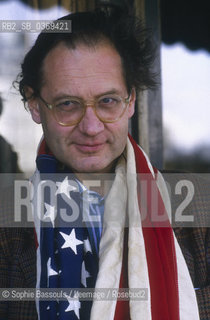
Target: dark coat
column 17, row 260
column 194, row 237
column 195, row 245
column 17, row 270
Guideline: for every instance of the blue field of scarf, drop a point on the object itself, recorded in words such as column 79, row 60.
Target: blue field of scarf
column 68, row 250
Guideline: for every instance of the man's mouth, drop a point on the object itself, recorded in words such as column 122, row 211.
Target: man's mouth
column 89, row 148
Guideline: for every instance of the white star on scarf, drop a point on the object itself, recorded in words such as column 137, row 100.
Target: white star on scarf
column 84, row 275
column 50, row 213
column 70, row 241
column 74, row 305
column 87, row 246
column 65, row 187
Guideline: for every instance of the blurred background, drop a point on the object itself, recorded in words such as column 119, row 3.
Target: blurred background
column 185, row 80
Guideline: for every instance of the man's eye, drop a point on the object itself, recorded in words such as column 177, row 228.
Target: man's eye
column 68, row 104
column 108, row 100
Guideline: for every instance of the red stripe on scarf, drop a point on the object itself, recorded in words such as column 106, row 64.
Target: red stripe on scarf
column 160, row 252
column 44, row 149
column 122, row 310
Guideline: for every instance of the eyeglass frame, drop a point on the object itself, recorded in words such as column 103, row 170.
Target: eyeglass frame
column 86, row 104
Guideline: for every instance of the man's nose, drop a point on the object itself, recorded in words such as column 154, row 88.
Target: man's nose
column 90, row 123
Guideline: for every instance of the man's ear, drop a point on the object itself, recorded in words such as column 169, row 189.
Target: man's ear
column 32, row 104
column 131, row 107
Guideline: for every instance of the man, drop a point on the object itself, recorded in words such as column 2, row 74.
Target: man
column 81, row 87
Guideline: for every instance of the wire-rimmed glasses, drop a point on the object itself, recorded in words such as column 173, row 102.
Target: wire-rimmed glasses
column 69, row 111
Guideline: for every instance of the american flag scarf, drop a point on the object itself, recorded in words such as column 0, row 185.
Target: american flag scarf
column 146, row 256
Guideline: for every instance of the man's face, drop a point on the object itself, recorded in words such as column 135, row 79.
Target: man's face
column 91, row 145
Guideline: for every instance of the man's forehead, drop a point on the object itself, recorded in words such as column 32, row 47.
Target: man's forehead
column 82, row 66
column 99, row 54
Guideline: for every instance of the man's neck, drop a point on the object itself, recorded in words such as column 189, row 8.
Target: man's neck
column 98, row 182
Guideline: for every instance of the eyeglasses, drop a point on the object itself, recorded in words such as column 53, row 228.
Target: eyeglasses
column 69, row 111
